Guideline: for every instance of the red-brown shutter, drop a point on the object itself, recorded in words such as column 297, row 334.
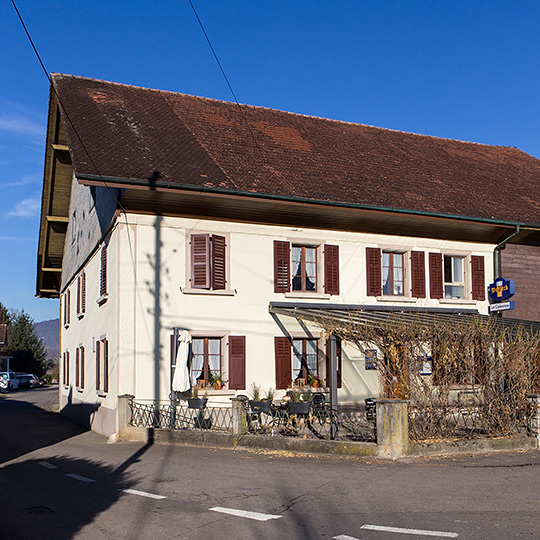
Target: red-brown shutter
column 282, row 278
column 436, row 275
column 67, row 368
column 237, row 362
column 82, row 367
column 418, row 274
column 331, row 269
column 218, row 262
column 200, row 261
column 79, row 295
column 105, row 365
column 103, row 272
column 338, row 353
column 283, row 351
column 83, row 293
column 477, row 277
column 373, row 271
column 98, row 366
column 77, row 366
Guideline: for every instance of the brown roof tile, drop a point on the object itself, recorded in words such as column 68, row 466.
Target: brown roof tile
column 131, row 132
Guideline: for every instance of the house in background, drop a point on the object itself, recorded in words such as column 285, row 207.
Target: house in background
column 164, row 212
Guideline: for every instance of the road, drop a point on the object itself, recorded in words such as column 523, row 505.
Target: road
column 58, row 481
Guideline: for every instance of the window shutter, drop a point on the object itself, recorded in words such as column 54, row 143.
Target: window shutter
column 373, row 271
column 218, row 262
column 77, row 366
column 103, row 273
column 83, row 293
column 283, row 351
column 82, row 367
column 105, row 365
column 282, row 278
column 67, row 368
column 477, row 277
column 418, row 274
column 435, row 275
column 79, row 295
column 98, row 367
column 331, row 269
column 237, row 362
column 338, row 352
column 69, row 306
column 200, row 261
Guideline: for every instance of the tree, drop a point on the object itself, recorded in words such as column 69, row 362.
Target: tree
column 25, row 347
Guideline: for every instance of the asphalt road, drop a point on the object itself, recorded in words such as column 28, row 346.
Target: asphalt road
column 58, row 481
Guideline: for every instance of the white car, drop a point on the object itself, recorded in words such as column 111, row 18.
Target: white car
column 9, row 381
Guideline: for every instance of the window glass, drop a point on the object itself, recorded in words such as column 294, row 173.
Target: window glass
column 304, row 359
column 392, row 273
column 205, row 359
column 304, row 267
column 454, row 286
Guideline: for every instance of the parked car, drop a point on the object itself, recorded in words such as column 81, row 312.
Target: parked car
column 11, row 379
column 27, row 380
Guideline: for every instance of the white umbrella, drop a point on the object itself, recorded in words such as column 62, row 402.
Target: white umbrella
column 181, row 374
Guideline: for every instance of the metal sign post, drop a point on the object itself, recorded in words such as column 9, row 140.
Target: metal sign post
column 333, row 385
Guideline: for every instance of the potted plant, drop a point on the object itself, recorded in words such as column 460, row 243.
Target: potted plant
column 314, row 380
column 196, row 402
column 257, row 404
column 298, row 403
column 215, row 381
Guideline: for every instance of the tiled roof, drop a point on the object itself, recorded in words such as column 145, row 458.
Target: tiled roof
column 138, row 133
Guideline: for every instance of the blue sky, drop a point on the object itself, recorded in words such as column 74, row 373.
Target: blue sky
column 467, row 70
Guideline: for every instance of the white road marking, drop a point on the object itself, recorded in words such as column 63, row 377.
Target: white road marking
column 143, row 494
column 345, row 537
column 440, row 534
column 244, row 513
column 47, row 465
column 79, row 477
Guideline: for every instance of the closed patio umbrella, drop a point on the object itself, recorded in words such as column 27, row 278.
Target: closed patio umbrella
column 181, row 374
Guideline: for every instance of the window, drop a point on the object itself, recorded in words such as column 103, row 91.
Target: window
column 65, row 370
column 205, row 359
column 67, row 302
column 392, row 273
column 425, row 365
column 454, row 278
column 208, row 262
column 79, row 368
column 102, row 366
column 297, row 268
column 370, row 360
column 305, row 360
column 81, row 295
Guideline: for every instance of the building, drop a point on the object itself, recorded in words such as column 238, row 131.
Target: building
column 163, row 212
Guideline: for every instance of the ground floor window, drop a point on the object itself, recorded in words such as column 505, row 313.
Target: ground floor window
column 205, row 360
column 65, row 368
column 79, row 368
column 305, row 363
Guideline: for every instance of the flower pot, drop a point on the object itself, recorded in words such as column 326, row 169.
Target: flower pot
column 260, row 406
column 299, row 407
column 197, row 403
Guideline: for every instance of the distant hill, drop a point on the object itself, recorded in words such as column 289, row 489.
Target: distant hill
column 49, row 331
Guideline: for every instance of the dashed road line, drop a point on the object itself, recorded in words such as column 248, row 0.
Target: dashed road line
column 79, row 477
column 345, row 537
column 143, row 494
column 420, row 532
column 47, row 465
column 244, row 513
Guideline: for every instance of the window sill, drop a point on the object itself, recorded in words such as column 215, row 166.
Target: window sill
column 102, row 299
column 80, row 316
column 214, row 392
column 299, row 294
column 396, row 298
column 209, row 292
column 101, row 394
column 79, row 389
column 457, row 301
column 66, row 326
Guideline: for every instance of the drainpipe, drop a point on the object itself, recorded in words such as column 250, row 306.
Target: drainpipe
column 497, row 259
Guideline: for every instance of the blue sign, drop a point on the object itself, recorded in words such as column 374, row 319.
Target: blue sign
column 501, row 290
column 502, row 306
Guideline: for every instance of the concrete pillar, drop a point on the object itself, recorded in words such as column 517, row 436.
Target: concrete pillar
column 124, row 411
column 392, row 427
column 535, row 416
column 239, row 419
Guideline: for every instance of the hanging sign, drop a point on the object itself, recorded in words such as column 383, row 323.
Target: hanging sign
column 502, row 306
column 501, row 290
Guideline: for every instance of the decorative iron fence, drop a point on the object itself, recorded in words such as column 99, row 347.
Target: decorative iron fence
column 165, row 415
column 470, row 421
column 319, row 423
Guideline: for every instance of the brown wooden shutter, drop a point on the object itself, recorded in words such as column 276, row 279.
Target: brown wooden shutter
column 79, row 295
column 200, row 261
column 103, row 272
column 331, row 269
column 69, row 307
column 67, row 368
column 338, row 352
column 105, row 365
column 283, row 351
column 418, row 274
column 218, row 262
column 373, row 271
column 282, row 278
column 436, row 275
column 77, row 366
column 82, row 367
column 237, row 362
column 98, row 366
column 83, row 293
column 477, row 277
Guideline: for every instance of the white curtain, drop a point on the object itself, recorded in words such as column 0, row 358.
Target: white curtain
column 181, row 374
